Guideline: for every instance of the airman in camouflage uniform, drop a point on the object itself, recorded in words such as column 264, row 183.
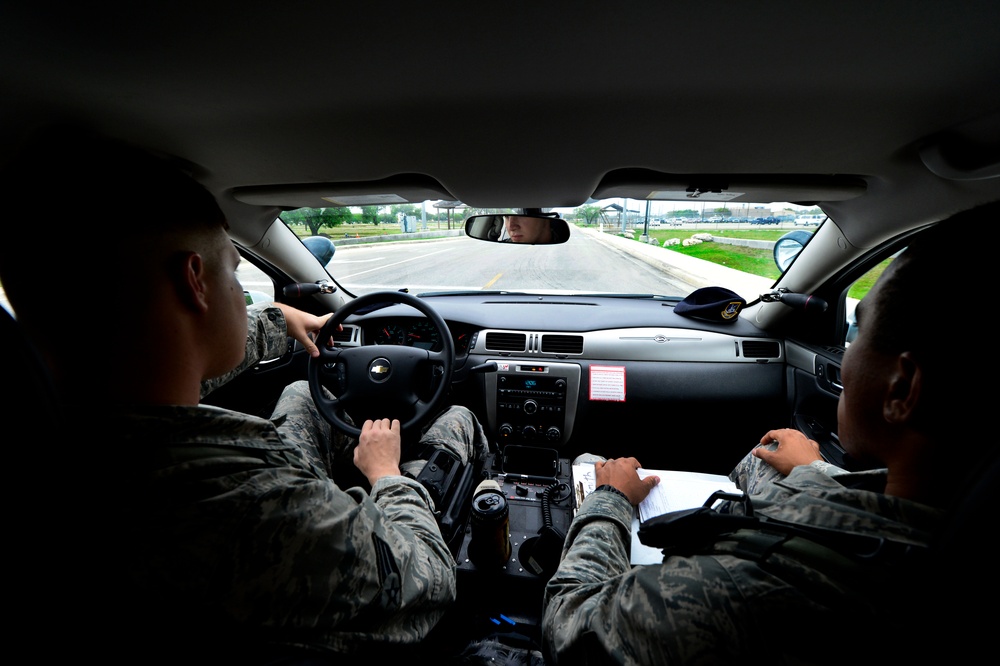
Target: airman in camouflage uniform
column 828, row 566
column 240, row 518
column 721, row 606
column 187, row 526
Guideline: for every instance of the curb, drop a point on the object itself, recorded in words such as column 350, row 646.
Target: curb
column 690, row 269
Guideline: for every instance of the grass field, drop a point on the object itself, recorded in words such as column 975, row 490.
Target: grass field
column 749, row 260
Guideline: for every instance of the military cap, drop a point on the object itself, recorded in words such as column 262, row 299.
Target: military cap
column 711, row 304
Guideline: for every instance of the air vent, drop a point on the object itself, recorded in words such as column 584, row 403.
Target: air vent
column 761, row 349
column 562, row 344
column 514, row 342
column 349, row 334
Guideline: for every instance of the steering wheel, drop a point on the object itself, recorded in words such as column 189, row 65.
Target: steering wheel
column 380, row 381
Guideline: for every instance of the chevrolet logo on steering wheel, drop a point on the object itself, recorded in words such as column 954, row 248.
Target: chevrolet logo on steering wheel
column 379, row 370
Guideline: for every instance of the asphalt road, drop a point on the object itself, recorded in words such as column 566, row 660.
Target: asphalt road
column 591, row 261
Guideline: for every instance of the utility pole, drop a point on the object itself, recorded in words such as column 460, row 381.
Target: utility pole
column 645, row 225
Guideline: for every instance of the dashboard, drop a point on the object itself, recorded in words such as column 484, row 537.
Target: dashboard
column 417, row 332
column 579, row 373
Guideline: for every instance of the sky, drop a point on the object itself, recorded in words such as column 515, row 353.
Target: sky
column 660, row 208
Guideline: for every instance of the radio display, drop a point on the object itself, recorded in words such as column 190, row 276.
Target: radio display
column 515, row 382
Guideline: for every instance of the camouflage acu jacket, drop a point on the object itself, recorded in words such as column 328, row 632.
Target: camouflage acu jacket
column 720, row 605
column 226, row 523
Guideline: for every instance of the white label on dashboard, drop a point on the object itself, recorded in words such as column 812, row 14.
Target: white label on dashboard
column 607, row 382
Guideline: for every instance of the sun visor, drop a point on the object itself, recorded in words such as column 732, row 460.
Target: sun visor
column 644, row 184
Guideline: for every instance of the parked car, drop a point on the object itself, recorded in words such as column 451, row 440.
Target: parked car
column 559, row 349
column 809, row 220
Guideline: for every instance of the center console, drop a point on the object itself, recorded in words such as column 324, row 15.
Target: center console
column 532, row 402
column 540, row 508
column 502, row 593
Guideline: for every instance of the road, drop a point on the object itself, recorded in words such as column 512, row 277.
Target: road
column 585, row 263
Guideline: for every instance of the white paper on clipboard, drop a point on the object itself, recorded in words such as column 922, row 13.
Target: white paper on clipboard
column 676, row 490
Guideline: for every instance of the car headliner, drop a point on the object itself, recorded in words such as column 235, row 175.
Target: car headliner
column 540, row 104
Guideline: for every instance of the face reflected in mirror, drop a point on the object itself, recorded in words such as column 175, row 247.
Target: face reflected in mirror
column 521, row 229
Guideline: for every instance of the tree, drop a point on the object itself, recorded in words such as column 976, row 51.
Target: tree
column 317, row 218
column 369, row 215
column 405, row 209
column 590, row 214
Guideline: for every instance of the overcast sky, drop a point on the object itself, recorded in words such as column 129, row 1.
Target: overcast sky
column 658, row 208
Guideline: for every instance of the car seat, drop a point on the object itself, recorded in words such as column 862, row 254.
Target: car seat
column 497, row 229
column 954, row 588
column 67, row 601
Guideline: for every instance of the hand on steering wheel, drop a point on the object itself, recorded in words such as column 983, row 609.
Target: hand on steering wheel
column 379, row 381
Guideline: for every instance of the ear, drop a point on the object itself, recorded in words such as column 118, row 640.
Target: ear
column 190, row 281
column 905, row 387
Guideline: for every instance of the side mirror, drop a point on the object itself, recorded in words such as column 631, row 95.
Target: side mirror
column 321, row 247
column 518, row 229
column 788, row 247
column 252, row 297
column 852, row 322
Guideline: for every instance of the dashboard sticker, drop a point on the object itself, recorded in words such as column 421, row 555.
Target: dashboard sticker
column 607, row 382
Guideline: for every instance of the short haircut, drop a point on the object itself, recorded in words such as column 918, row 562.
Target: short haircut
column 924, row 287
column 930, row 307
column 119, row 193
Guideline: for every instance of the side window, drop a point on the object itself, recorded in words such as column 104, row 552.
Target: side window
column 857, row 291
column 257, row 287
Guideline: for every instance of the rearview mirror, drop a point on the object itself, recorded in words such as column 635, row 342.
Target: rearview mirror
column 522, row 229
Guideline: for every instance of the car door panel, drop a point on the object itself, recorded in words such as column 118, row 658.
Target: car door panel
column 814, row 391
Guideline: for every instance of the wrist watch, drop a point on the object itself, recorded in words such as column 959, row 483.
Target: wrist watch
column 612, row 489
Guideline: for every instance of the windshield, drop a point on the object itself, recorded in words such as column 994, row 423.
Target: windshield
column 635, row 248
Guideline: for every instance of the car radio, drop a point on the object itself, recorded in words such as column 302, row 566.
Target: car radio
column 532, row 402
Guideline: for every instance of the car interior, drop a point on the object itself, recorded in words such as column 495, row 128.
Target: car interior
column 884, row 116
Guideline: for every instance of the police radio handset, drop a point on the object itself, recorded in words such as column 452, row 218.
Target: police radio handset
column 806, row 302
column 300, row 289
